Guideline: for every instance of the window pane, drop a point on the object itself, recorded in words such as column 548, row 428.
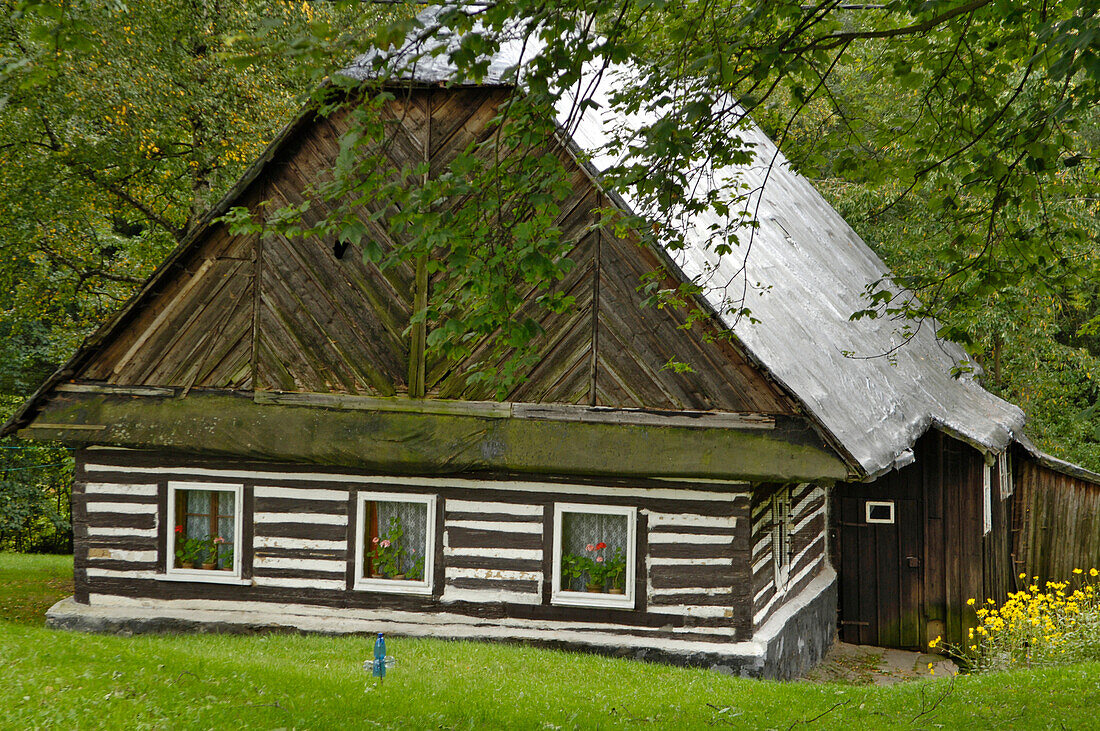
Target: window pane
column 581, row 530
column 402, row 540
column 196, row 541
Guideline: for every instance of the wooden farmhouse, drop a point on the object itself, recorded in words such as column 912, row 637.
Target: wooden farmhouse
column 248, row 453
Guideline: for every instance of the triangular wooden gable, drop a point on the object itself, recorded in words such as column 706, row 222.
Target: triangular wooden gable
column 319, row 323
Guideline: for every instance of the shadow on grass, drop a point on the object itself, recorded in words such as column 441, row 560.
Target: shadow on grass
column 31, row 584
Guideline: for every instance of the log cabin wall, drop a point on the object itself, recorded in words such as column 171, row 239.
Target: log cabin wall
column 492, row 555
column 1058, row 519
column 806, row 540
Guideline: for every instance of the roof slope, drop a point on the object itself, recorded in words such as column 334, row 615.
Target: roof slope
column 815, row 269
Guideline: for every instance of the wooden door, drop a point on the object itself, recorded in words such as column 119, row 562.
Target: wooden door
column 881, row 553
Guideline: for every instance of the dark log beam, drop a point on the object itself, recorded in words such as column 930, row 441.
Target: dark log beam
column 233, row 424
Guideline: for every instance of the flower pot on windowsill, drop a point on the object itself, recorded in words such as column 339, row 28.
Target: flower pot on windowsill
column 208, row 566
column 398, row 577
column 376, row 575
column 616, row 590
column 594, row 588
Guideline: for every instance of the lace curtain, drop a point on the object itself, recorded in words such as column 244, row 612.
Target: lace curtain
column 413, row 520
column 579, row 530
column 197, row 508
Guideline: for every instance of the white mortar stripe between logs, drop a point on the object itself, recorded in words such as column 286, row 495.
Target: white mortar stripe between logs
column 299, row 564
column 118, row 554
column 298, row 543
column 705, row 591
column 689, row 538
column 760, row 594
column 111, row 488
column 498, row 527
column 690, row 561
column 694, row 611
column 532, row 554
column 809, row 498
column 129, row 508
column 314, row 518
column 452, row 572
column 94, row 573
column 128, row 532
column 454, row 594
column 299, row 493
column 689, row 520
column 299, row 583
column 470, row 506
column 805, row 521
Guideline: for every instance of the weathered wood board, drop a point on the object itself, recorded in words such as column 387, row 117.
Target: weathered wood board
column 268, row 313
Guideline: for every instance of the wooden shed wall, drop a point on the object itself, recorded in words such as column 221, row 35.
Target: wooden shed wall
column 316, row 322
column 885, row 599
column 691, row 581
column 1059, row 522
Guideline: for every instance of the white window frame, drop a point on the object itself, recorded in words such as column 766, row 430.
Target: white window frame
column 394, row 586
column 1004, row 471
column 564, row 597
column 781, row 540
column 878, row 504
column 206, row 576
column 987, row 499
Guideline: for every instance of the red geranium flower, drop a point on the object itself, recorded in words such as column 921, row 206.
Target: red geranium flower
column 179, row 529
column 600, row 546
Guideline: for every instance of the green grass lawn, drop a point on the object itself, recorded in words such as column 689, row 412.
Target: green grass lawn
column 30, row 584
column 63, row 680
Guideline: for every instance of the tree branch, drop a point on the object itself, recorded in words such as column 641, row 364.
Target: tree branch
column 836, row 39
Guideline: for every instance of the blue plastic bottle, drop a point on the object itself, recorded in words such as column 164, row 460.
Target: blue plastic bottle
column 380, row 657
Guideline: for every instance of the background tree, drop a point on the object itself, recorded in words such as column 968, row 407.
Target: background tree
column 120, row 124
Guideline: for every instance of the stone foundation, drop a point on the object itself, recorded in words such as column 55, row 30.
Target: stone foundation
column 791, row 642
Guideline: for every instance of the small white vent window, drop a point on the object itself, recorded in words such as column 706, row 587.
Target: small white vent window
column 880, row 511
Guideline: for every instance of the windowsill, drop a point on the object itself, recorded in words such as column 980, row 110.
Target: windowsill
column 592, row 599
column 393, row 586
column 204, row 576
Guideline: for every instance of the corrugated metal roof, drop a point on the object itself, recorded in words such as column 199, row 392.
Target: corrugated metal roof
column 814, row 269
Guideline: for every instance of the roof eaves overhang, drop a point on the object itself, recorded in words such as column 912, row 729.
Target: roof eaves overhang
column 434, row 436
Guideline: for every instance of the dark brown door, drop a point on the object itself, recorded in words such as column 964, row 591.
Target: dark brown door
column 881, row 553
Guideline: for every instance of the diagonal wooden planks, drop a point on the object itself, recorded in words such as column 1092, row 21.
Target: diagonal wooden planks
column 290, row 315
